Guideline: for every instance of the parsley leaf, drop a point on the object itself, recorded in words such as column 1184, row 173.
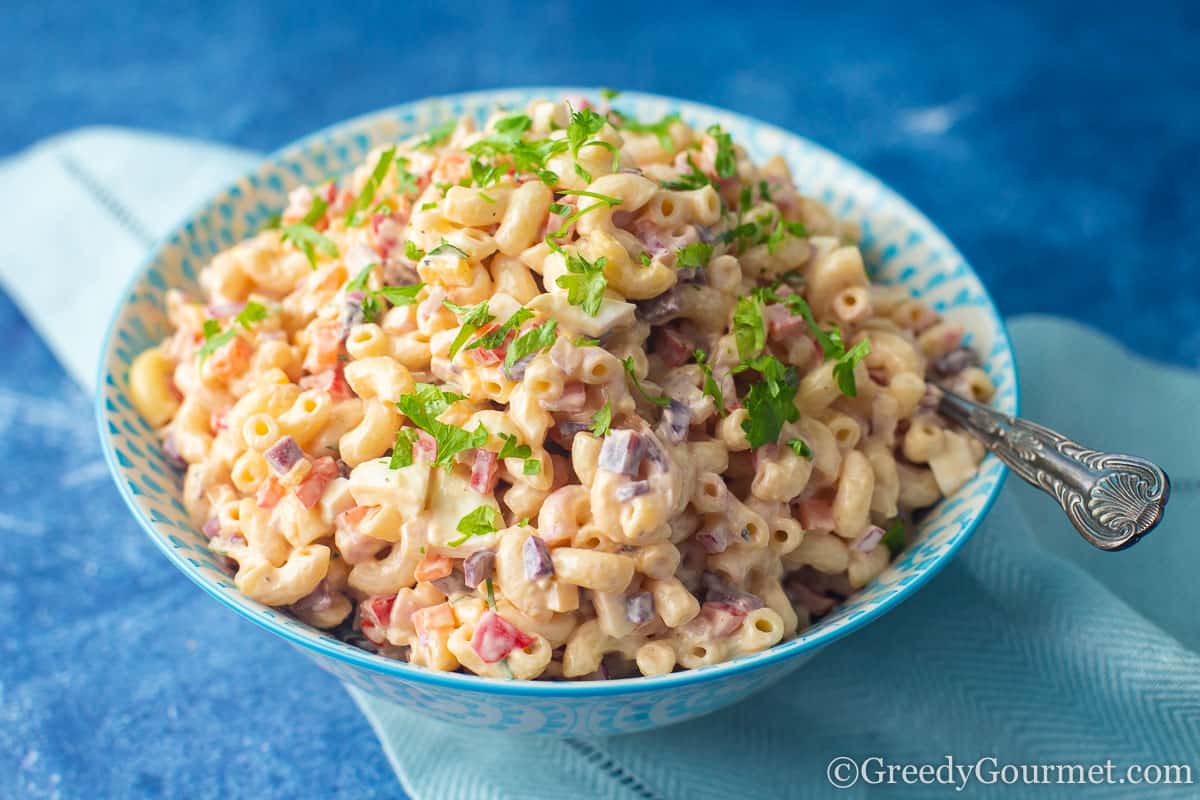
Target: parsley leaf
column 359, row 282
column 485, row 175
column 726, row 164
column 437, row 135
column 843, row 370
column 630, row 370
column 645, row 258
column 400, row 295
column 602, row 420
column 749, row 327
column 764, row 190
column 472, row 319
column 771, row 402
column 584, row 124
column 695, row 179
column 491, row 595
column 402, row 450
column 895, row 537
column 412, row 252
column 510, row 448
column 695, row 254
column 801, row 448
column 445, row 247
column 496, row 337
column 214, row 339
column 480, row 522
column 587, row 341
column 585, row 282
column 532, row 466
column 423, row 406
column 710, row 386
column 371, row 186
column 309, row 240
column 530, row 342
column 830, row 340
column 610, row 94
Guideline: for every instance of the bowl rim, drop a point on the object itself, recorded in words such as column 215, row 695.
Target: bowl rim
column 403, row 670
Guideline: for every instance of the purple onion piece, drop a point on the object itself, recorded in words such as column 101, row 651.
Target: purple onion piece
column 714, row 541
column 817, row 604
column 478, row 567
column 622, row 452
column 343, row 468
column 283, row 455
column 568, row 428
column 225, row 310
column 319, row 599
column 451, row 584
column 171, row 453
column 655, row 455
column 517, row 371
column 692, row 275
column 706, row 234
column 661, row 309
column 399, row 274
column 869, row 540
column 212, row 528
column 537, row 558
column 718, row 590
column 676, row 420
column 639, row 608
column 352, row 311
column 954, row 362
column 628, row 491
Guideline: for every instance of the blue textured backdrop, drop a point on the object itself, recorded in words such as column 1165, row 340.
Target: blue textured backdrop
column 1057, row 147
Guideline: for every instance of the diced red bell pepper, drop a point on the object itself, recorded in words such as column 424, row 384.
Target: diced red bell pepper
column 374, row 615
column 325, row 344
column 432, row 618
column 324, row 470
column 815, row 515
column 722, row 618
column 269, row 493
column 483, row 471
column 433, row 566
column 495, row 637
column 230, row 360
column 425, row 450
column 331, row 381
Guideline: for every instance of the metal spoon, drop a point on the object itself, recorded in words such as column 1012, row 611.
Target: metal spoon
column 1113, row 500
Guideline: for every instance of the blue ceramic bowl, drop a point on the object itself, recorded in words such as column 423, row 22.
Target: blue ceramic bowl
column 902, row 247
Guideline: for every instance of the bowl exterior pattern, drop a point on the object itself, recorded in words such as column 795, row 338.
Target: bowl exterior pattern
column 901, row 245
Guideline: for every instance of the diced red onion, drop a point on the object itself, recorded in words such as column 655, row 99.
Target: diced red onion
column 954, row 362
column 721, row 618
column 817, row 604
column 171, row 453
column 483, row 472
column 283, row 455
column 451, row 584
column 676, row 420
column 661, row 309
column 573, row 399
column 869, row 540
column 516, row 372
column 536, row 557
column 212, row 528
column 718, row 590
column 639, row 608
column 478, row 567
column 319, row 599
column 714, row 541
column 225, row 310
column 627, row 491
column 622, row 452
column 671, row 348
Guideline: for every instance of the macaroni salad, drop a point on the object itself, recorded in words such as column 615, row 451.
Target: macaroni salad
column 573, row 396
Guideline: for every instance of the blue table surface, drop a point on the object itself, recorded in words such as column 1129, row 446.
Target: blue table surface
column 1058, row 147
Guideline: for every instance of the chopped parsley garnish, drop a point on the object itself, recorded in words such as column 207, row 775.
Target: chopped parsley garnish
column 272, row 223
column 396, row 295
column 584, row 124
column 645, row 258
column 783, row 228
column 402, row 449
column 894, row 538
column 437, row 135
column 363, row 201
column 695, row 179
column 485, row 175
column 630, row 370
column 743, row 230
column 843, row 369
column 587, row 341
column 771, row 402
column 801, row 448
column 530, row 342
column 309, row 239
column 661, row 129
column 445, row 247
column 749, row 327
column 560, row 209
column 215, row 339
column 510, row 448
column 710, row 386
column 585, row 282
column 471, row 318
column 725, row 164
column 480, row 522
column 491, row 594
column 423, row 406
column 532, row 466
column 602, row 420
column 496, row 337
column 695, row 254
column 412, row 252
column 610, row 94
column 764, row 190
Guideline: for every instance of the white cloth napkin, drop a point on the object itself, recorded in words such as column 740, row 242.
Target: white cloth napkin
column 1030, row 647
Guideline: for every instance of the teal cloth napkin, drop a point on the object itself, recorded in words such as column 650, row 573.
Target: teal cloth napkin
column 1030, row 648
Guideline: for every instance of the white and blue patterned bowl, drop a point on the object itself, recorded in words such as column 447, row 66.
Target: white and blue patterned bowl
column 902, row 247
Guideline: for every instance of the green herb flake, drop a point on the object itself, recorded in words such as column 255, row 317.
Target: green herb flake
column 710, row 386
column 801, row 448
column 726, row 163
column 412, row 252
column 771, row 402
column 631, row 371
column 585, row 282
column 602, row 420
column 423, row 406
column 471, row 318
column 215, row 339
column 530, row 342
column 402, row 450
column 363, row 201
column 843, row 369
column 437, row 135
column 896, row 536
column 480, row 522
column 695, row 254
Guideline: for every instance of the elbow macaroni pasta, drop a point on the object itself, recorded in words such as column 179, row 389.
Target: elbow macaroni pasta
column 506, row 418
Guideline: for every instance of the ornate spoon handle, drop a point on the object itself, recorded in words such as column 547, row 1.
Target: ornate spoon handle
column 1111, row 499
